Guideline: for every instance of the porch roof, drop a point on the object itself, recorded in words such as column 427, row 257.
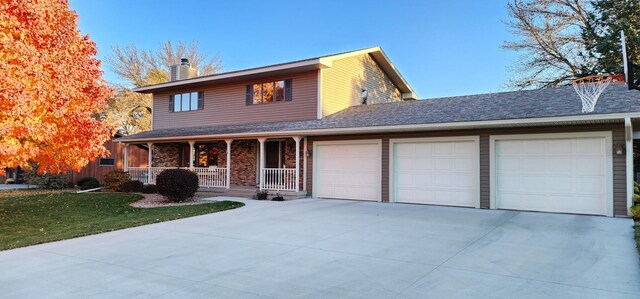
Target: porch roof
column 553, row 106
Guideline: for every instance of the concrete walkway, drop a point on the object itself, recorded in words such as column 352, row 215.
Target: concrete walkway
column 16, row 186
column 338, row 249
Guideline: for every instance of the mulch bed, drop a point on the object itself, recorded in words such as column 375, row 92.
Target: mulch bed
column 157, row 200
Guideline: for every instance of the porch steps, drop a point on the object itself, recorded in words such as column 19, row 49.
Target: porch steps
column 249, row 192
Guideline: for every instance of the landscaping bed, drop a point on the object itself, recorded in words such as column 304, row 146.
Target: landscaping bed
column 29, row 217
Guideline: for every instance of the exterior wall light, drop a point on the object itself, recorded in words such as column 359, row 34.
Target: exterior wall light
column 618, row 149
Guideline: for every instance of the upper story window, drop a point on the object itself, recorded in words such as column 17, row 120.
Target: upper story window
column 269, row 92
column 188, row 101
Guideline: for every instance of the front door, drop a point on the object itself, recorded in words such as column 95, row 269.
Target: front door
column 273, row 154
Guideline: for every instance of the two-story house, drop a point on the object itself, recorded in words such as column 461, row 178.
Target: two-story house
column 349, row 126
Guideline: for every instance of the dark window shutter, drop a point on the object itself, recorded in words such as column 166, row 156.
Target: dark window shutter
column 200, row 100
column 171, row 103
column 287, row 90
column 249, row 97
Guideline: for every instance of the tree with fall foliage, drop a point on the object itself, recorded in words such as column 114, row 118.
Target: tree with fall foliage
column 131, row 111
column 51, row 89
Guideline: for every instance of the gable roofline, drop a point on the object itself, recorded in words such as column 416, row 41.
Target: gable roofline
column 289, row 67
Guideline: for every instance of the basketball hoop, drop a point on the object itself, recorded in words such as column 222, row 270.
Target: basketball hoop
column 590, row 88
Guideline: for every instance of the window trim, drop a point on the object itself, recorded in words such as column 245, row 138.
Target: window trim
column 286, row 91
column 199, row 101
column 107, row 165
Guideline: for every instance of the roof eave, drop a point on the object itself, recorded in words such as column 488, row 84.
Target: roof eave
column 522, row 122
column 294, row 67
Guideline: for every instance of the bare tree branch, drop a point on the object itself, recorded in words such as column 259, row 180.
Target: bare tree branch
column 550, row 38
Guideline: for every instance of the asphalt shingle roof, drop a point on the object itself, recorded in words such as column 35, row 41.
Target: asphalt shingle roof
column 552, row 102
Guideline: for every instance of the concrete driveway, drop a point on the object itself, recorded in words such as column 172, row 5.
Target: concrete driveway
column 338, row 249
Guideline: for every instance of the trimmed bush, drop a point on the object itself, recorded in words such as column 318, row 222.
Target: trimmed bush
column 261, row 195
column 131, row 186
column 177, row 184
column 636, row 198
column 635, row 211
column 46, row 180
column 149, row 189
column 88, row 183
column 113, row 179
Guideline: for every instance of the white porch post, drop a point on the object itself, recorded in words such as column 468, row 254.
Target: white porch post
column 150, row 145
column 262, row 140
column 629, row 161
column 191, row 149
column 297, row 183
column 228, row 141
column 126, row 157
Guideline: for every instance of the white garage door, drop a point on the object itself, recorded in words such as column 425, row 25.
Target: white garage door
column 441, row 172
column 567, row 175
column 348, row 170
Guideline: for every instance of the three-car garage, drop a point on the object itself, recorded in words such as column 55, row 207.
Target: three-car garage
column 553, row 172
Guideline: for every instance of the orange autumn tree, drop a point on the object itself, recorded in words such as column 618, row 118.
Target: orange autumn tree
column 51, row 89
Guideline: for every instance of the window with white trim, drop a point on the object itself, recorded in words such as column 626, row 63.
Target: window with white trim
column 269, row 92
column 188, row 101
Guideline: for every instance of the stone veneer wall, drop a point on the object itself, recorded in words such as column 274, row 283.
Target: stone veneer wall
column 166, row 155
column 290, row 157
column 244, row 162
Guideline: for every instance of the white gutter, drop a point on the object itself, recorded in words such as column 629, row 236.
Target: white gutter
column 401, row 128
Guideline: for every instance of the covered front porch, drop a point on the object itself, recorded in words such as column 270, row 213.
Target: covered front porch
column 273, row 164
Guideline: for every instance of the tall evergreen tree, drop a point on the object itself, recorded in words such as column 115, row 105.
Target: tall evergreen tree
column 608, row 18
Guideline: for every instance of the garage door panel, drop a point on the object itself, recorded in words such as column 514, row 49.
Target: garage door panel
column 442, row 148
column 466, row 181
column 589, row 165
column 420, row 164
column 348, row 170
column 560, row 146
column 443, row 163
column 467, row 148
column 589, row 146
column 564, row 166
column 551, row 175
column 531, row 164
column 463, row 164
column 435, row 172
column 444, row 180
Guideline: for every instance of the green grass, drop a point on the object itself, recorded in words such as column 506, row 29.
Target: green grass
column 30, row 218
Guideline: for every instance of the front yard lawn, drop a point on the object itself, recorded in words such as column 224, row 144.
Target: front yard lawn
column 29, row 218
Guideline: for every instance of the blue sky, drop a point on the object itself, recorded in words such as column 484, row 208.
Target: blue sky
column 443, row 48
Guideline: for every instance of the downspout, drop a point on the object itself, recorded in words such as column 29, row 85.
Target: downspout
column 629, row 155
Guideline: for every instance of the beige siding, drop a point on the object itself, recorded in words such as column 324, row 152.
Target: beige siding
column 225, row 104
column 342, row 84
column 619, row 166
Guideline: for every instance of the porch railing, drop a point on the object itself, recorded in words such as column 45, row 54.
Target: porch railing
column 282, row 179
column 139, row 174
column 207, row 177
column 211, row 177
